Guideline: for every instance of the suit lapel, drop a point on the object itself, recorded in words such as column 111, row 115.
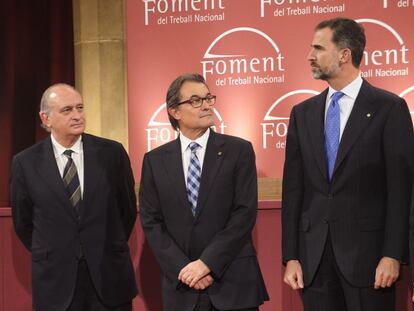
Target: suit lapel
column 361, row 115
column 315, row 123
column 49, row 171
column 212, row 161
column 173, row 165
column 91, row 171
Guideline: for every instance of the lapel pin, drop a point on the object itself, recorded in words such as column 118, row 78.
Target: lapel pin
column 219, row 153
column 368, row 115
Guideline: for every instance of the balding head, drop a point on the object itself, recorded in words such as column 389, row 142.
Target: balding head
column 61, row 112
column 51, row 93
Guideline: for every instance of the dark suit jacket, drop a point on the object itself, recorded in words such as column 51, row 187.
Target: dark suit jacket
column 220, row 232
column 47, row 225
column 366, row 206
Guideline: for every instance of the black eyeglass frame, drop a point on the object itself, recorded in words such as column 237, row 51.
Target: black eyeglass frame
column 210, row 99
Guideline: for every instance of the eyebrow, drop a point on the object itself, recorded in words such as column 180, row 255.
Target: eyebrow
column 196, row 95
column 65, row 107
column 71, row 107
column 317, row 46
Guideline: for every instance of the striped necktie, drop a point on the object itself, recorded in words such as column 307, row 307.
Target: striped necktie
column 71, row 181
column 193, row 177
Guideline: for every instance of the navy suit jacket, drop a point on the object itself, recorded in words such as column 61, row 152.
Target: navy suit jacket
column 47, row 224
column 365, row 207
column 220, row 234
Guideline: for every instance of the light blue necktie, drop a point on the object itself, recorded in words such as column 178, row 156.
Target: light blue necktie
column 332, row 130
column 193, row 177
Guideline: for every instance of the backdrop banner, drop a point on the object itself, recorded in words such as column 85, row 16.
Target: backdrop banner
column 253, row 54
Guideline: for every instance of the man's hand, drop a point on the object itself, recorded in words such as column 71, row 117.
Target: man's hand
column 204, row 282
column 293, row 274
column 387, row 272
column 193, row 272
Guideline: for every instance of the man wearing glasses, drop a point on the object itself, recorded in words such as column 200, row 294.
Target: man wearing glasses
column 198, row 202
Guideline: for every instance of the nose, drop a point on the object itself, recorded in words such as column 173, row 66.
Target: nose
column 311, row 55
column 205, row 105
column 77, row 115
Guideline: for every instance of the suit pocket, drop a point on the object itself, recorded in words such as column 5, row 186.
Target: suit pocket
column 370, row 224
column 119, row 246
column 304, row 224
column 39, row 255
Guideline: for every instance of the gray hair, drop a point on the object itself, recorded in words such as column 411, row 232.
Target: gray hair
column 44, row 101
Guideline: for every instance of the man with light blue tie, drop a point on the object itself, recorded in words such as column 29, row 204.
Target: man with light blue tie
column 347, row 182
column 198, row 203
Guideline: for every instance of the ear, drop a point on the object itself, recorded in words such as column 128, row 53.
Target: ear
column 346, row 56
column 174, row 112
column 45, row 118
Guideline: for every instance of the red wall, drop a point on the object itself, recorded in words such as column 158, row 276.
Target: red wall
column 15, row 283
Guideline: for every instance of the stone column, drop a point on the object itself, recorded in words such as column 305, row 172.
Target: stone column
column 100, row 66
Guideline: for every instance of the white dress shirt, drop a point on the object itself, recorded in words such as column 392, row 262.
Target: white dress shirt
column 186, row 152
column 77, row 156
column 346, row 103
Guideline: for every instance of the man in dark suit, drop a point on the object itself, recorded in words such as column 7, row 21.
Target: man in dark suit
column 74, row 208
column 347, row 182
column 198, row 202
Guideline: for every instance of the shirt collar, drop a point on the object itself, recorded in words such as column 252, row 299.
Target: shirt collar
column 59, row 149
column 202, row 140
column 351, row 90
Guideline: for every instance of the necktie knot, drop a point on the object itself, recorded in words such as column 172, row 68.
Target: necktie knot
column 193, row 147
column 68, row 153
column 336, row 97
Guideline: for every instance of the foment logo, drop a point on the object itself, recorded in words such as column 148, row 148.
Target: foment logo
column 179, row 11
column 231, row 61
column 275, row 125
column 388, row 56
column 159, row 130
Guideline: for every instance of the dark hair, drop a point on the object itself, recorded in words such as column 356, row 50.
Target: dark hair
column 347, row 33
column 174, row 96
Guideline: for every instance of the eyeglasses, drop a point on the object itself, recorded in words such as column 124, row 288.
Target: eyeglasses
column 197, row 101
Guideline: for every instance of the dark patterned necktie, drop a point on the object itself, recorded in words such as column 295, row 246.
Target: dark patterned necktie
column 193, row 177
column 332, row 131
column 71, row 181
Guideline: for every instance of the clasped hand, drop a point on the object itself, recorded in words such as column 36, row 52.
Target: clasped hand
column 196, row 275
